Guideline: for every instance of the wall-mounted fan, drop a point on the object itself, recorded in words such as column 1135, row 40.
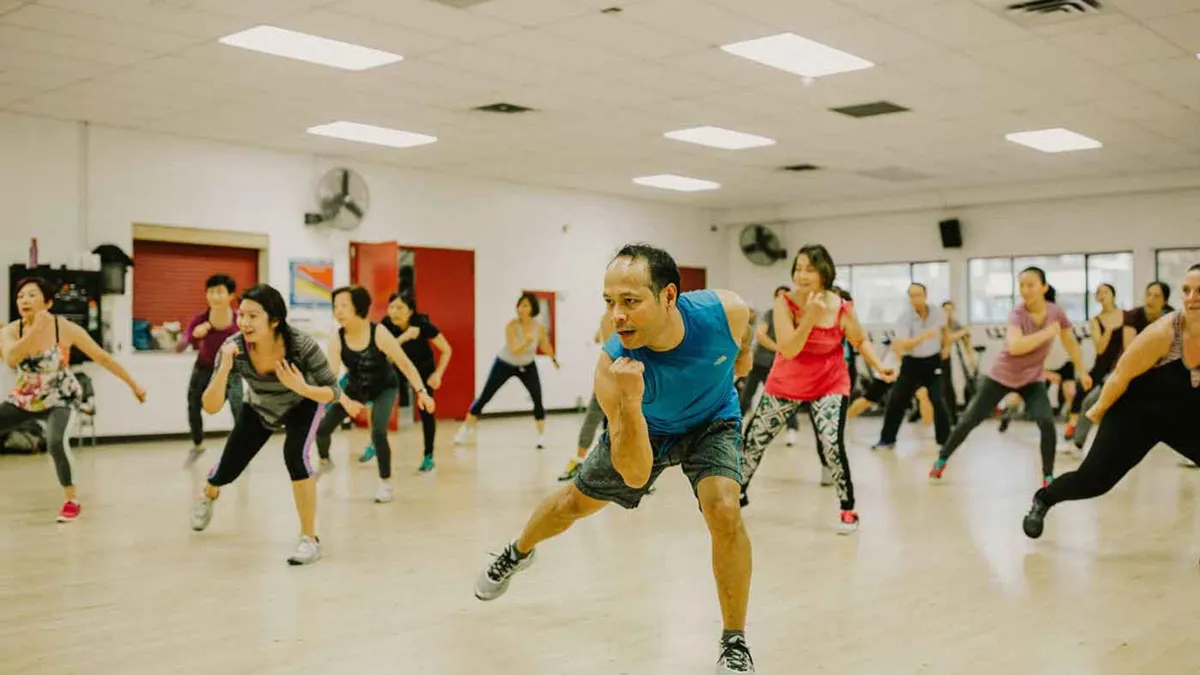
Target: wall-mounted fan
column 343, row 198
column 760, row 245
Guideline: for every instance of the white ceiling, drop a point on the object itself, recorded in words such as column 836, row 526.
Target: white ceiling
column 607, row 86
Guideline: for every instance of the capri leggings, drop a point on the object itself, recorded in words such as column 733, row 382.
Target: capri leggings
column 250, row 434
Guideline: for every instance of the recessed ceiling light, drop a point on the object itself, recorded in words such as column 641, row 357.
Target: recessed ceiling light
column 669, row 181
column 717, row 137
column 790, row 52
column 1054, row 140
column 365, row 133
column 310, row 48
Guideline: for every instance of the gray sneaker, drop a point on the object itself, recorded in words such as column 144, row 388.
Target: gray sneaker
column 202, row 513
column 308, row 551
column 193, row 455
column 735, row 657
column 493, row 582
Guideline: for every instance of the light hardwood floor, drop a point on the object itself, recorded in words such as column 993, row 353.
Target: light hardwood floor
column 939, row 579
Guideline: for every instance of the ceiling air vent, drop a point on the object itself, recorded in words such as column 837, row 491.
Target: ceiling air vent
column 1039, row 13
column 800, row 167
column 503, row 108
column 870, row 109
column 1056, row 7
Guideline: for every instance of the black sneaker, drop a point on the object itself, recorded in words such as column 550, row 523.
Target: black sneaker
column 1035, row 519
column 735, row 657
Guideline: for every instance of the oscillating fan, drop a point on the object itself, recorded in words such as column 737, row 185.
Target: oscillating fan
column 343, row 198
column 760, row 245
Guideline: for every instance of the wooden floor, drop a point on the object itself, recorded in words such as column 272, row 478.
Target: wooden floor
column 939, row 579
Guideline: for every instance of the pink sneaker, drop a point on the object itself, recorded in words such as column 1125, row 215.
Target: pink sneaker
column 69, row 512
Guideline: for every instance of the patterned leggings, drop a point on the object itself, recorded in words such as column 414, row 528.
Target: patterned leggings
column 828, row 417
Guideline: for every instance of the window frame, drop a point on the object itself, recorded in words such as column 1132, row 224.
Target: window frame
column 1169, row 249
column 912, row 264
column 1087, row 306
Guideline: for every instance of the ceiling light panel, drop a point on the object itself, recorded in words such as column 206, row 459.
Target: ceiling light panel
column 794, row 54
column 310, row 48
column 366, row 133
column 716, row 137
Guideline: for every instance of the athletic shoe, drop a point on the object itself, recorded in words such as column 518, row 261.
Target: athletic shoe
column 426, row 465
column 193, row 455
column 571, row 470
column 826, row 476
column 324, row 466
column 1035, row 520
column 367, row 455
column 308, row 551
column 202, row 512
column 883, row 446
column 1004, row 422
column 848, row 522
column 384, row 494
column 790, row 439
column 541, row 442
column 735, row 657
column 69, row 511
column 463, row 435
column 744, row 500
column 1069, row 432
column 493, row 582
column 935, row 473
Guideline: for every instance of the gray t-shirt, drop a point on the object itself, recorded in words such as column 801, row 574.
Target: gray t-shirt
column 762, row 355
column 265, row 393
column 911, row 325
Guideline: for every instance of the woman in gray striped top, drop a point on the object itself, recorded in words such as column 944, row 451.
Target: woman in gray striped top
column 287, row 380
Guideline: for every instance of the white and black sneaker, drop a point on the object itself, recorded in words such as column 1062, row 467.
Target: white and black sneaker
column 493, row 582
column 735, row 657
column 202, row 512
column 193, row 455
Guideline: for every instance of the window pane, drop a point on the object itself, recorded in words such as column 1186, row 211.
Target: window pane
column 1172, row 265
column 844, row 278
column 1110, row 268
column 880, row 292
column 936, row 277
column 1067, row 274
column 990, row 285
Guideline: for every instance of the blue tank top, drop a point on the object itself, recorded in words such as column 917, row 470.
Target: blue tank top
column 692, row 384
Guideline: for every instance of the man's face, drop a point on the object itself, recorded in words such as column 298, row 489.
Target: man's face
column 637, row 315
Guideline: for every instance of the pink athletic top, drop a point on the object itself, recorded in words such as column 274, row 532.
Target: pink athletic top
column 1017, row 370
column 819, row 369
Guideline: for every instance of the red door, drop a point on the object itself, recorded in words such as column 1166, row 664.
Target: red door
column 444, row 287
column 376, row 267
column 692, row 279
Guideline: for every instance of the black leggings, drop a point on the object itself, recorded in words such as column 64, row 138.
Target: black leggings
column 54, row 425
column 250, row 434
column 428, row 419
column 501, row 372
column 991, row 392
column 201, row 376
column 381, row 413
column 914, row 374
column 1126, row 434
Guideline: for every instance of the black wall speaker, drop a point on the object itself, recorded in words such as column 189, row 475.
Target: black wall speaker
column 951, row 233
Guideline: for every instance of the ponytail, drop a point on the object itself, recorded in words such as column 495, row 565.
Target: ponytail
column 1051, row 294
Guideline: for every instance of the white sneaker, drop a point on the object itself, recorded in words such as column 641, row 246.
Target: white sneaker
column 493, row 581
column 202, row 512
column 790, row 438
column 463, row 435
column 308, row 551
column 384, row 494
column 541, row 442
column 826, row 476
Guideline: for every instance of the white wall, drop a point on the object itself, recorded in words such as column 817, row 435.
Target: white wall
column 1134, row 222
column 516, row 231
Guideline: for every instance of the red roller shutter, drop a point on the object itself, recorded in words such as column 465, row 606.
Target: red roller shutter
column 168, row 278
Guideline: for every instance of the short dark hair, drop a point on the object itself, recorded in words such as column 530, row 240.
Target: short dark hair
column 781, row 289
column 535, row 307
column 819, row 256
column 405, row 298
column 221, row 280
column 1112, row 289
column 947, row 302
column 276, row 309
column 48, row 290
column 1162, row 286
column 359, row 297
column 843, row 293
column 1194, row 268
column 663, row 269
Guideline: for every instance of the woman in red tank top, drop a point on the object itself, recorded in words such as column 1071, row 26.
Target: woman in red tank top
column 810, row 367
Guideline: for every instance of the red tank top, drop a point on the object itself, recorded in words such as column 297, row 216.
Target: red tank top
column 819, row 369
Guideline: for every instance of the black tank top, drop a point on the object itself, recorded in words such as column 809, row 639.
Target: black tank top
column 1170, row 388
column 1107, row 359
column 369, row 373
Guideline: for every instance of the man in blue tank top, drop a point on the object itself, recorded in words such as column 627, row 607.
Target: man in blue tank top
column 665, row 384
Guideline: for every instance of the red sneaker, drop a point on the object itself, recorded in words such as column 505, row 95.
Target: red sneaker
column 69, row 512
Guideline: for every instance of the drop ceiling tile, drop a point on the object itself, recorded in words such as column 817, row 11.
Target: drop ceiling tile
column 14, row 37
column 158, row 15
column 496, row 64
column 623, row 36
column 95, row 28
column 13, row 93
column 957, row 24
column 1146, row 9
column 877, row 41
column 1181, row 29
column 531, row 12
column 358, row 30
column 704, row 22
column 427, row 17
column 1124, row 44
column 796, row 17
column 563, row 51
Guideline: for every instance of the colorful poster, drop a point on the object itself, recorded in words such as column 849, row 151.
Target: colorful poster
column 312, row 283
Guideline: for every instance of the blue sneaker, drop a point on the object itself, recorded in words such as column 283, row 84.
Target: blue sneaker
column 367, row 455
column 426, row 465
